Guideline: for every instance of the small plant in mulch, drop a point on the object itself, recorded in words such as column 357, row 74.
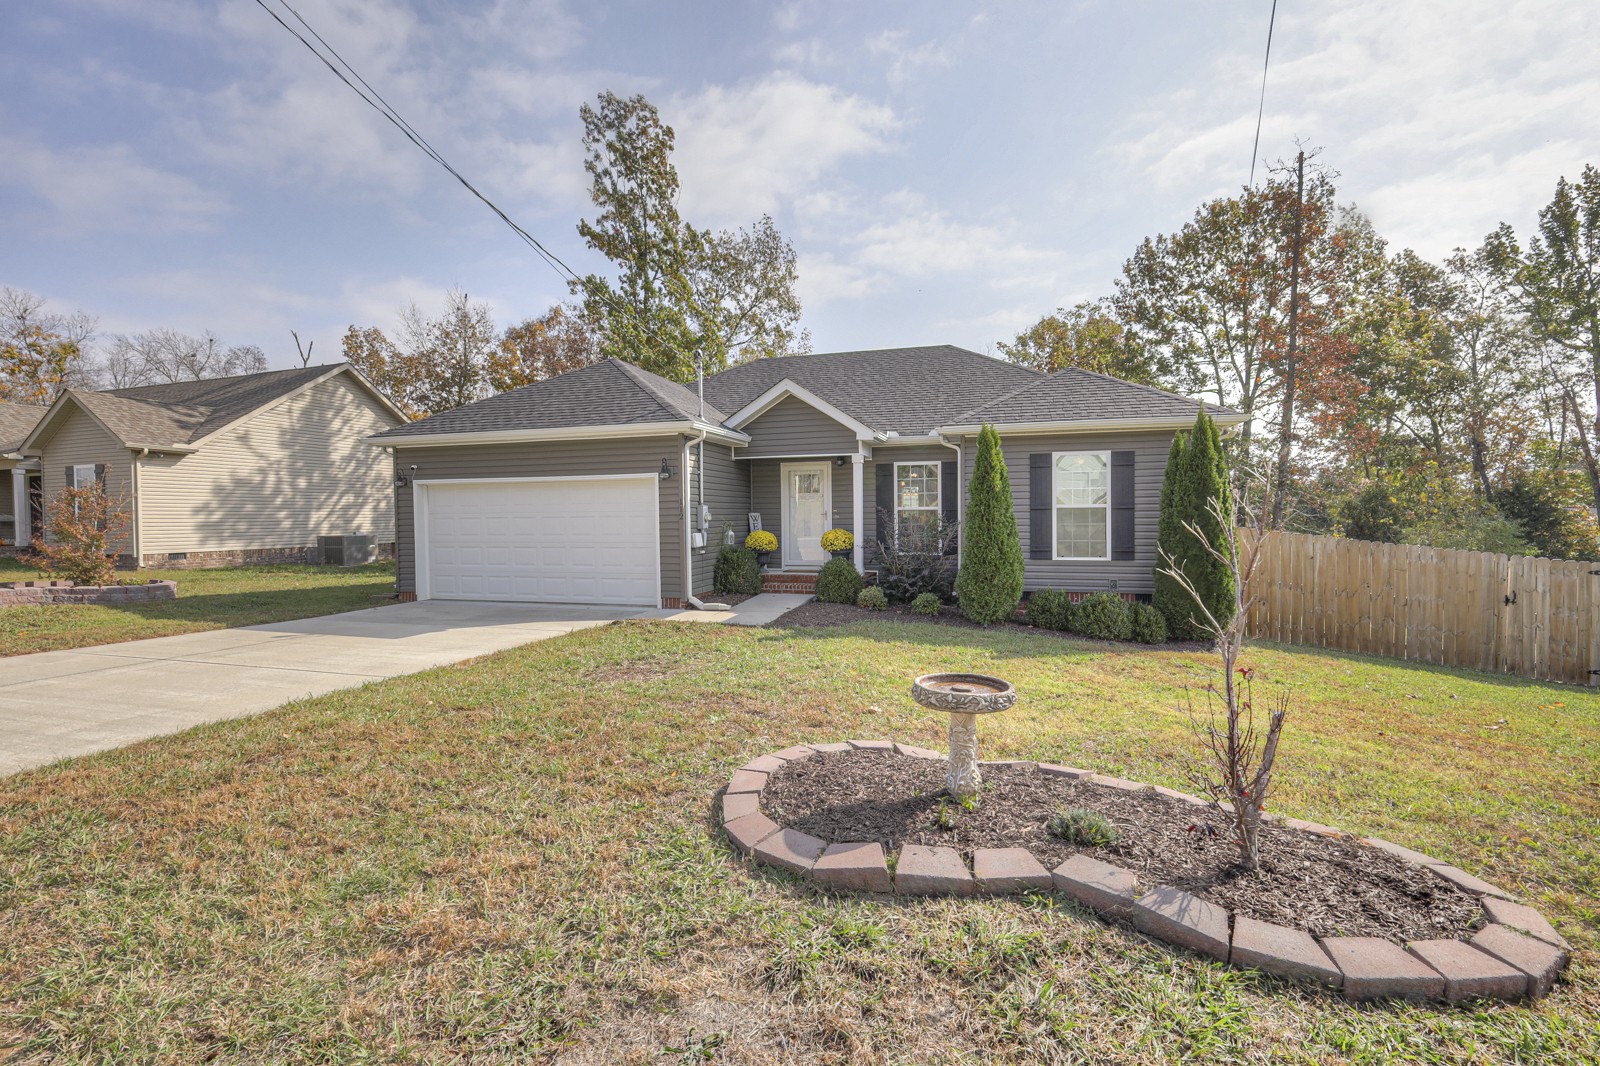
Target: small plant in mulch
column 944, row 816
column 1049, row 609
column 927, row 604
column 838, row 582
column 873, row 599
column 1103, row 616
column 1083, row 827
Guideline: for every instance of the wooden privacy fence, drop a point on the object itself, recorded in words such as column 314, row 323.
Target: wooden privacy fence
column 1504, row 613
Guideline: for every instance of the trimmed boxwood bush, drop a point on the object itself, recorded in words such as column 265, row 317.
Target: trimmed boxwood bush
column 872, row 598
column 1103, row 616
column 1050, row 609
column 1146, row 624
column 989, row 585
column 838, row 582
column 736, row 573
column 927, row 603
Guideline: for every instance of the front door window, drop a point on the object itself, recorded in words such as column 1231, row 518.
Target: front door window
column 807, row 520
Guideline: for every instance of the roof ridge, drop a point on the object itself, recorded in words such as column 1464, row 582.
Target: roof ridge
column 651, row 382
column 1158, row 390
column 216, row 381
column 1005, row 396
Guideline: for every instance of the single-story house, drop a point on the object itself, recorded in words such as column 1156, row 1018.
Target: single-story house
column 245, row 469
column 18, row 473
column 612, row 485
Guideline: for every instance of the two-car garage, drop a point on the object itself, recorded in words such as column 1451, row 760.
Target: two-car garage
column 555, row 540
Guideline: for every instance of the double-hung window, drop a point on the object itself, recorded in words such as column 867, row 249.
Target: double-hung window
column 1081, row 486
column 82, row 476
column 916, row 503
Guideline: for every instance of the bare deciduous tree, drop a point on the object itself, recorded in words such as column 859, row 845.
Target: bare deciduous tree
column 162, row 355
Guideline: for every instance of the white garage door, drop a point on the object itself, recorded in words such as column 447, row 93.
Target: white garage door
column 579, row 541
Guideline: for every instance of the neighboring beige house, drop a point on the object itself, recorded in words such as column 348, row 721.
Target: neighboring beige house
column 225, row 470
column 19, row 475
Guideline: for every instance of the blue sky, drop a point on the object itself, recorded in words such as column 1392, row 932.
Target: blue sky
column 947, row 172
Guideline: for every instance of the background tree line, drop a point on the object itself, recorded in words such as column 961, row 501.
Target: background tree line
column 1452, row 404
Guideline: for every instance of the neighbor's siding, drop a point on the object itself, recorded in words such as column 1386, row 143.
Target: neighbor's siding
column 548, row 459
column 766, row 496
column 727, row 488
column 78, row 438
column 1136, row 575
column 276, row 479
column 792, row 427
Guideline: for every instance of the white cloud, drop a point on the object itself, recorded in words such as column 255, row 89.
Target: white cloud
column 1443, row 117
column 746, row 149
column 92, row 189
column 919, row 240
column 907, row 61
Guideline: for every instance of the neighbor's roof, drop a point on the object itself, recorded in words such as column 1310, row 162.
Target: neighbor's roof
column 180, row 413
column 1074, row 395
column 903, row 390
column 608, row 393
column 16, row 422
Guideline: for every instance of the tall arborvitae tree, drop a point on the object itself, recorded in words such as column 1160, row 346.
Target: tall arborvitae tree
column 989, row 585
column 1195, row 493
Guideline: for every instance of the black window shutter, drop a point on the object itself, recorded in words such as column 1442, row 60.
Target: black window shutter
column 71, row 484
column 100, row 474
column 1122, row 505
column 885, row 501
column 949, row 499
column 1040, row 493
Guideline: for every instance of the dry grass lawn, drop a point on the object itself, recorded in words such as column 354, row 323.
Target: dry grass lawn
column 514, row 860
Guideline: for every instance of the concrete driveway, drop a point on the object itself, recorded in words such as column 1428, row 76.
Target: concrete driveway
column 60, row 703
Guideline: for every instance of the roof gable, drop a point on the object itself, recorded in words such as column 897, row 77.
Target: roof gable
column 16, row 422
column 785, row 390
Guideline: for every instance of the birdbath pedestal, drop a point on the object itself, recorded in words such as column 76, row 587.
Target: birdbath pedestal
column 963, row 697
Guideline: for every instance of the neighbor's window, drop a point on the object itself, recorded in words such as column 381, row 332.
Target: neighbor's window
column 1082, row 483
column 916, row 497
column 82, row 476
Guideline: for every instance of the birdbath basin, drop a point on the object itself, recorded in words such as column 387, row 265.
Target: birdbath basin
column 963, row 697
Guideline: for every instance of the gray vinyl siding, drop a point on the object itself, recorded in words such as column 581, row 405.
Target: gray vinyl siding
column 922, row 453
column 766, row 496
column 548, row 459
column 78, row 438
column 793, row 427
column 727, row 489
column 278, row 478
column 1136, row 575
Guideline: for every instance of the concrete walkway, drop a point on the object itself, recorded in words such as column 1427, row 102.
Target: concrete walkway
column 57, row 704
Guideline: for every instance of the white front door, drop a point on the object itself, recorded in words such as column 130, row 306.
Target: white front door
column 807, row 512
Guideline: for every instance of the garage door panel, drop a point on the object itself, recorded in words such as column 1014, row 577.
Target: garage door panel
column 556, row 541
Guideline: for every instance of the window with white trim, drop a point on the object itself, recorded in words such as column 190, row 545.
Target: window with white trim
column 82, row 476
column 916, row 497
column 1081, row 487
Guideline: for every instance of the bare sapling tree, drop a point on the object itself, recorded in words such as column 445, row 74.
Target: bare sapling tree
column 1239, row 757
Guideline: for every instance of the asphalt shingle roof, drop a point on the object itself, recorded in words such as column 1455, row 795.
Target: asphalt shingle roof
column 608, row 393
column 16, row 422
column 1074, row 395
column 906, row 390
column 182, row 412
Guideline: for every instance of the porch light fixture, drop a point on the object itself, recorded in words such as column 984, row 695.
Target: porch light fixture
column 666, row 470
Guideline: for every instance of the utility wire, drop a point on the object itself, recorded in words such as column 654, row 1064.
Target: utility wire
column 1260, row 107
column 382, row 106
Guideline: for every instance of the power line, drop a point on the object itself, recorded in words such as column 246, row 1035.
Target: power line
column 382, row 106
column 1262, row 106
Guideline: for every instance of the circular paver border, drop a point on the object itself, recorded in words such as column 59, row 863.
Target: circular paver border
column 1516, row 955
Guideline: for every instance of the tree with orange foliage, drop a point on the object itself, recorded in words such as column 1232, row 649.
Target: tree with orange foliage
column 84, row 527
column 538, row 348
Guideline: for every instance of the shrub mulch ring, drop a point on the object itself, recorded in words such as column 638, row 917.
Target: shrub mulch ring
column 1323, row 886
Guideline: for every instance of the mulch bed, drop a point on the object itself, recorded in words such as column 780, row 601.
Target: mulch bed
column 1325, row 887
column 819, row 615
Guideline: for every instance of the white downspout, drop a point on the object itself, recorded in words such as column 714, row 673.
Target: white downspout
column 961, row 474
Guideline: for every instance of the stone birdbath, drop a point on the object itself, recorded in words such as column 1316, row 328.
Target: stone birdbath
column 963, row 697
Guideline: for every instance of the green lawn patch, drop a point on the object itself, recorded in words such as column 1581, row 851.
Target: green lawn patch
column 207, row 599
column 515, row 859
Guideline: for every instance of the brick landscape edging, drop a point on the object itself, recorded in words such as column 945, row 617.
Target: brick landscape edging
column 1517, row 955
column 19, row 593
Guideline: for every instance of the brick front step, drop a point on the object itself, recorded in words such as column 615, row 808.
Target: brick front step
column 805, row 584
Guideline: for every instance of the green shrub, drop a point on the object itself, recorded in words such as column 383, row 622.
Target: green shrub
column 872, row 598
column 1103, row 616
column 1197, row 475
column 736, row 572
column 989, row 585
column 927, row 603
column 1050, row 609
column 1146, row 624
column 838, row 582
column 1085, row 828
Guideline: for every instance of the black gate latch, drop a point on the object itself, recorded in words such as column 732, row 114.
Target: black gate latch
column 1511, row 599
